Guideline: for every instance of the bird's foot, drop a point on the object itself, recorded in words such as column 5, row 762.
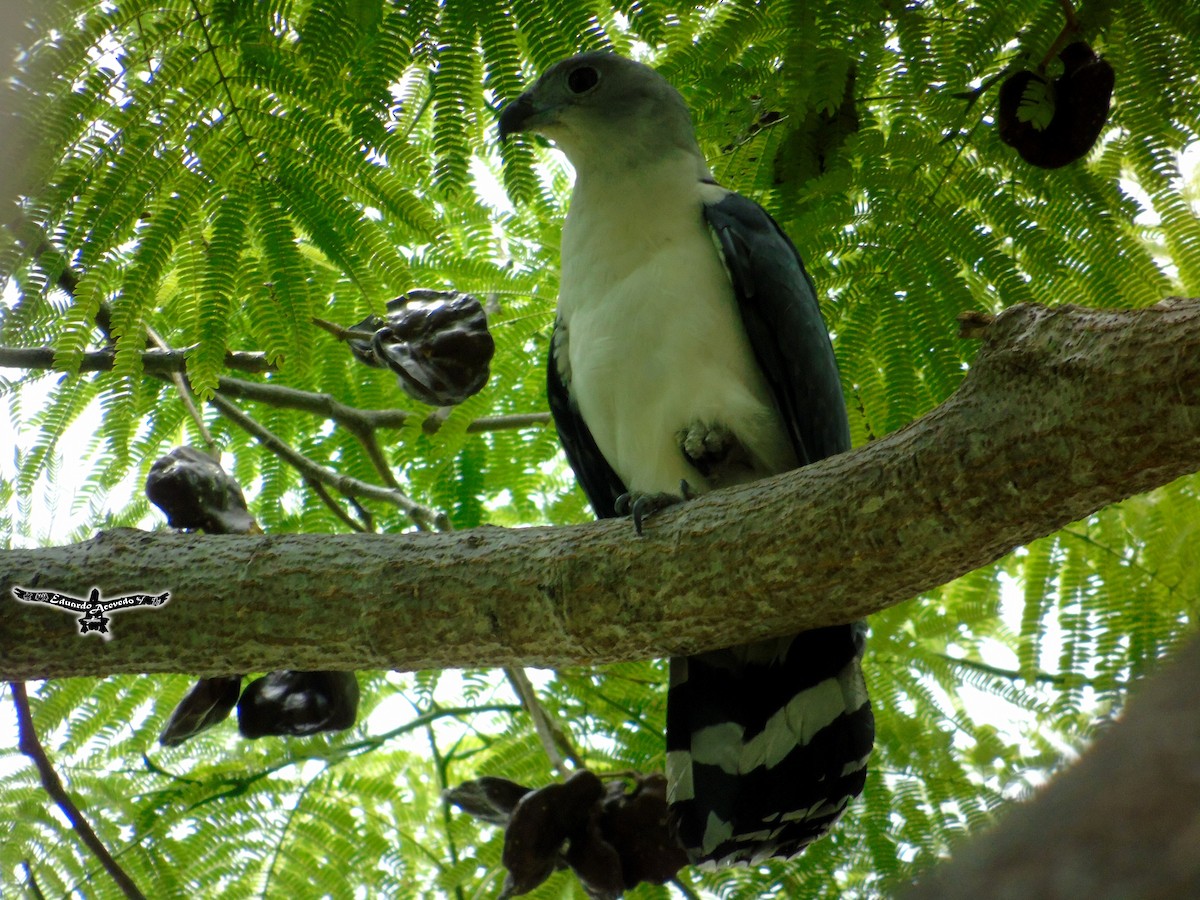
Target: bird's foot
column 640, row 504
column 709, row 446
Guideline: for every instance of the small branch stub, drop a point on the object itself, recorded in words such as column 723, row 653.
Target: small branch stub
column 973, row 323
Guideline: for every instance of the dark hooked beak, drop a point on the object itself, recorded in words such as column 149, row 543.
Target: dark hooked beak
column 516, row 116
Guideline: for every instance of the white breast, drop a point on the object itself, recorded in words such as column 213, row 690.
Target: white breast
column 655, row 340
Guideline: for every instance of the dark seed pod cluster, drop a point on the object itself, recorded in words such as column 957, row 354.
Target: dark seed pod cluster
column 437, row 343
column 1079, row 99
column 194, row 492
column 298, row 703
column 612, row 839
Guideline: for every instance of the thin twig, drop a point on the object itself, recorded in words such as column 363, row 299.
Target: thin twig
column 1128, row 561
column 364, row 515
column 35, row 889
column 422, row 516
column 334, row 507
column 1069, row 30
column 28, row 743
column 423, row 720
column 187, row 397
column 365, row 436
column 440, row 764
column 370, row 443
column 552, row 736
column 343, row 333
column 331, row 756
column 554, row 739
column 1062, row 681
column 507, row 423
column 319, row 404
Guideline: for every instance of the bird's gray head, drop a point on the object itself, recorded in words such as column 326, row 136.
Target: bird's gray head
column 599, row 106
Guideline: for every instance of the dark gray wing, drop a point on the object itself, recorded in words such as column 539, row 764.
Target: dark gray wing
column 600, row 483
column 779, row 310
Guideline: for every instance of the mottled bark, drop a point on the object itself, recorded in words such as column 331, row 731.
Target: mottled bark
column 1064, row 411
column 1122, row 823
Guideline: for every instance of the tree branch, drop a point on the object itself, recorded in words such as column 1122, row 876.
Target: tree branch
column 1064, row 411
column 28, row 743
column 160, row 362
column 1122, row 822
column 154, row 362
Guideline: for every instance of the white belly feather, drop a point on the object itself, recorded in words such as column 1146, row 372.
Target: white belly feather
column 656, row 343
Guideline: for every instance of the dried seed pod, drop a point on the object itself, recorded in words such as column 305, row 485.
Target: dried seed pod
column 1051, row 124
column 594, row 860
column 487, row 798
column 192, row 489
column 541, row 823
column 298, row 703
column 639, row 827
column 437, row 343
column 208, row 703
column 611, row 839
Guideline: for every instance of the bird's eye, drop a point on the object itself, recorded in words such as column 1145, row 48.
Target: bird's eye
column 582, row 80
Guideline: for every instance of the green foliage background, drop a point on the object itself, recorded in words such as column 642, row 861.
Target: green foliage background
column 223, row 170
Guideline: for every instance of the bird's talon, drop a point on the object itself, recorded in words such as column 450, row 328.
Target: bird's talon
column 641, row 506
column 637, row 516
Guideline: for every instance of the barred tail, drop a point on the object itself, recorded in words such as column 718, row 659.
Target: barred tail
column 767, row 743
